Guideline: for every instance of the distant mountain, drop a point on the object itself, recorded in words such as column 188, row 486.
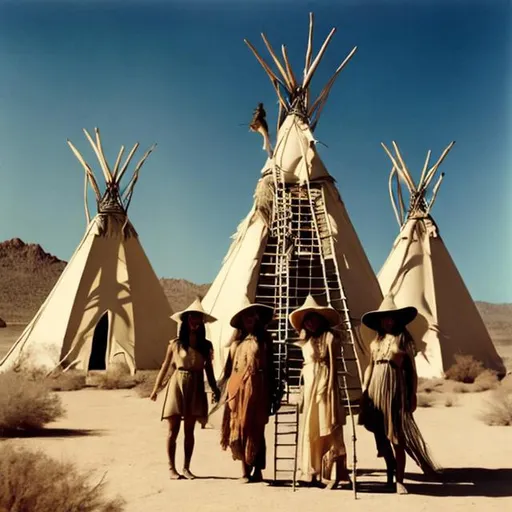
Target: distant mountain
column 28, row 273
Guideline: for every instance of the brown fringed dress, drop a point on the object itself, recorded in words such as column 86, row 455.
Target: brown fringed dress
column 248, row 402
column 386, row 406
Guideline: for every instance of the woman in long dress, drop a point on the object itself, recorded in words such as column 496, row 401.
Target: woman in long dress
column 189, row 357
column 249, row 377
column 389, row 392
column 323, row 414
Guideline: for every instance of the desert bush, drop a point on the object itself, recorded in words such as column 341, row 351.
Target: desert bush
column 498, row 409
column 425, row 400
column 70, row 380
column 465, row 369
column 26, row 403
column 450, row 401
column 485, row 381
column 145, row 382
column 430, row 385
column 116, row 377
column 460, row 387
column 34, row 482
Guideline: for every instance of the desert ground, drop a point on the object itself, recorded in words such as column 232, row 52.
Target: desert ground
column 119, row 435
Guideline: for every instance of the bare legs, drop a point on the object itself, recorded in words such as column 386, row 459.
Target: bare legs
column 174, row 430
column 395, row 465
column 190, row 424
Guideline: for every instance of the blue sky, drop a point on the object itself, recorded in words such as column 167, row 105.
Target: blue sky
column 178, row 73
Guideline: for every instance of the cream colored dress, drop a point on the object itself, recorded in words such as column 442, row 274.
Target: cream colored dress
column 185, row 395
column 323, row 412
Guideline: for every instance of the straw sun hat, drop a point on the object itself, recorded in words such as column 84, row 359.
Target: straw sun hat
column 266, row 313
column 195, row 307
column 311, row 306
column 403, row 316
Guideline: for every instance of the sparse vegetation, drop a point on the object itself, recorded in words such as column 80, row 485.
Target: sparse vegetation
column 34, row 482
column 425, row 400
column 70, row 380
column 498, row 409
column 450, row 401
column 26, row 403
column 465, row 369
column 485, row 381
column 116, row 377
column 146, row 381
column 430, row 385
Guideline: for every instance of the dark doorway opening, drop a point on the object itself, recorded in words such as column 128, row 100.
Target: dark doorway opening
column 99, row 345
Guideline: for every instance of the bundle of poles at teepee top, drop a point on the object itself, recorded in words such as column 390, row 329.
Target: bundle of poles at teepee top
column 112, row 177
column 298, row 94
column 418, row 202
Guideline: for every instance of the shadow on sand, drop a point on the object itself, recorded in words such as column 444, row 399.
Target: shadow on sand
column 463, row 482
column 48, row 432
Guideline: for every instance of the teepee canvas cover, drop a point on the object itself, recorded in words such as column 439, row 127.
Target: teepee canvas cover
column 108, row 305
column 298, row 238
column 420, row 272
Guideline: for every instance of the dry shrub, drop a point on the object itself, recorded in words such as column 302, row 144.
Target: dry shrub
column 460, row 387
column 465, row 369
column 27, row 403
column 116, row 377
column 425, row 400
column 498, row 411
column 450, row 401
column 145, row 382
column 485, row 381
column 34, row 482
column 70, row 380
column 430, row 385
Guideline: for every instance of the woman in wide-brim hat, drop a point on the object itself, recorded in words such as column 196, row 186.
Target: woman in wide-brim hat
column 249, row 389
column 389, row 392
column 321, row 433
column 189, row 357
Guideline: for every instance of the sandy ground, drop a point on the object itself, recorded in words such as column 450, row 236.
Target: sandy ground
column 119, row 434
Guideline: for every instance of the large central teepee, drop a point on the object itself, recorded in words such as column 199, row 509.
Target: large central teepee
column 108, row 305
column 297, row 239
column 420, row 272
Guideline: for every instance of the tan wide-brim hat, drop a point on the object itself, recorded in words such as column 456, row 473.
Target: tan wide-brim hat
column 265, row 312
column 195, row 307
column 312, row 306
column 403, row 316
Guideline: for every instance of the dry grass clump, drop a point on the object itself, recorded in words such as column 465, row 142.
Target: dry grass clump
column 71, row 380
column 116, row 377
column 34, row 482
column 465, row 369
column 430, row 385
column 450, row 401
column 498, row 411
column 486, row 381
column 146, row 380
column 425, row 400
column 26, row 403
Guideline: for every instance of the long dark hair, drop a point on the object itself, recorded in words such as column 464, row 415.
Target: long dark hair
column 323, row 327
column 202, row 346
column 260, row 332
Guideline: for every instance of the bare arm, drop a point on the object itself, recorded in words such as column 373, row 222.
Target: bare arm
column 162, row 372
column 210, row 375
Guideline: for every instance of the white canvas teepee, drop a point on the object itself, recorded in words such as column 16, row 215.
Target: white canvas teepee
column 420, row 272
column 298, row 238
column 108, row 305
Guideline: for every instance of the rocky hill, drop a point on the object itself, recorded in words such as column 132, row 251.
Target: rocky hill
column 28, row 273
